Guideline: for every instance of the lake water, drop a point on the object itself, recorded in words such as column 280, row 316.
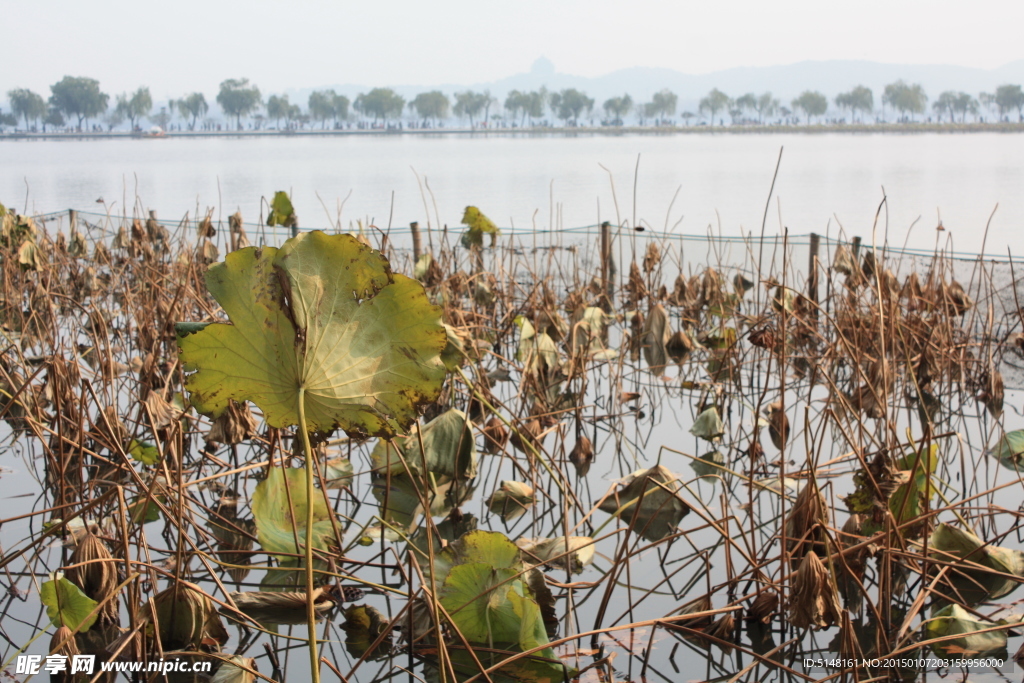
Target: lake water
column 525, row 181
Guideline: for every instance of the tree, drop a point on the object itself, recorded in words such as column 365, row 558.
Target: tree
column 8, row 120
column 380, row 103
column 715, row 102
column 747, row 102
column 278, row 108
column 341, row 105
column 859, row 99
column 987, row 99
column 237, row 98
column 79, row 97
column 1010, row 97
column 53, row 118
column 192, row 107
column 955, row 103
column 321, row 105
column 135, row 107
column 570, row 103
column 516, row 102
column 766, row 106
column 535, row 103
column 664, row 104
column 488, row 103
column 617, row 107
column 26, row 104
column 812, row 102
column 431, row 105
column 470, row 104
column 905, row 98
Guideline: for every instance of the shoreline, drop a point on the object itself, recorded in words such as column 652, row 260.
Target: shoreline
column 883, row 128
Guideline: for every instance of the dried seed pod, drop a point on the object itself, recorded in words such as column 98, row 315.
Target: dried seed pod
column 528, row 432
column 63, row 643
column 701, row 604
column 679, row 346
column 763, row 606
column 843, row 262
column 186, row 617
column 681, row 292
column 992, row 392
column 724, row 628
column 234, row 537
column 755, row 450
column 163, row 413
column 807, row 522
column 741, row 284
column 582, row 455
column 778, row 425
column 814, row 600
column 93, row 570
column 206, row 228
column 238, row 237
column 653, row 258
column 495, row 436
column 234, row 426
column 956, row 298
column 763, row 337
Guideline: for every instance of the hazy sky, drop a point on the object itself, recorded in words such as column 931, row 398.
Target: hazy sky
column 187, row 45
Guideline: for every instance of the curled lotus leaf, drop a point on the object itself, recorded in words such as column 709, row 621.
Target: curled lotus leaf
column 447, row 447
column 651, row 497
column 977, row 570
column 511, row 500
column 1009, row 450
column 964, row 633
column 574, row 552
column 324, row 318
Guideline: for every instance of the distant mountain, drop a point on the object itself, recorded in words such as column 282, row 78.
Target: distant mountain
column 785, row 81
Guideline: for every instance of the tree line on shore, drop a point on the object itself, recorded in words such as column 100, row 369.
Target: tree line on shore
column 74, row 102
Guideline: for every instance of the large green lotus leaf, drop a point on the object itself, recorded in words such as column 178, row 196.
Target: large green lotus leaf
column 980, row 571
column 954, row 620
column 324, row 313
column 527, row 670
column 449, row 449
column 67, row 605
column 278, row 523
column 476, row 595
column 488, row 547
column 532, row 632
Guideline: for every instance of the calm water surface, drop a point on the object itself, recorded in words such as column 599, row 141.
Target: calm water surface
column 723, row 181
